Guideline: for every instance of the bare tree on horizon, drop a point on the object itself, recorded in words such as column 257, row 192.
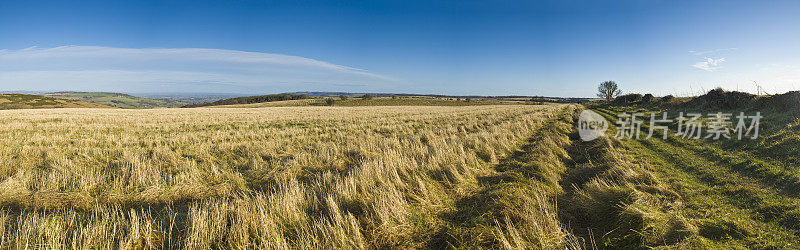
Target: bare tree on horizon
column 608, row 90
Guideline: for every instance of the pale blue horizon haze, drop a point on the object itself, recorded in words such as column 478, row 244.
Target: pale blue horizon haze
column 545, row 48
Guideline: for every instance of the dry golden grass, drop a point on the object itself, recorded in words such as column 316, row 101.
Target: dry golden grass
column 277, row 178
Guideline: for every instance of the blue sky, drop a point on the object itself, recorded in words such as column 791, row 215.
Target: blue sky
column 552, row 48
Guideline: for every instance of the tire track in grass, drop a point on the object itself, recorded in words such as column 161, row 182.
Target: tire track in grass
column 719, row 193
column 703, row 205
column 712, row 156
column 699, row 203
column 520, row 185
column 767, row 200
column 741, row 190
column 764, row 187
column 769, row 173
column 754, row 164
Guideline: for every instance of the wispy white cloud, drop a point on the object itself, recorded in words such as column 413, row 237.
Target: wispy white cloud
column 90, row 68
column 699, row 53
column 710, row 64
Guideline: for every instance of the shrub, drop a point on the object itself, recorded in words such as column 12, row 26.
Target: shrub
column 648, row 98
column 787, row 102
column 343, row 97
column 719, row 98
column 329, row 101
column 629, row 98
column 366, row 97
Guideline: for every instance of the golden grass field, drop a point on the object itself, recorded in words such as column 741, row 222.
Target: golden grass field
column 277, row 178
column 376, row 177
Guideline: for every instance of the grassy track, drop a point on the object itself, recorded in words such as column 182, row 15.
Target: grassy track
column 732, row 198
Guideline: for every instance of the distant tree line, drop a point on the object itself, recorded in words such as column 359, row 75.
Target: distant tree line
column 252, row 99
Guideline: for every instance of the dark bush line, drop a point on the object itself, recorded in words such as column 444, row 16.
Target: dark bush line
column 252, row 99
column 629, row 98
column 786, row 102
column 720, row 99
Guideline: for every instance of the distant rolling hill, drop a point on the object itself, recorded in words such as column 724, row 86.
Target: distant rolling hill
column 22, row 101
column 376, row 101
column 118, row 100
column 252, row 100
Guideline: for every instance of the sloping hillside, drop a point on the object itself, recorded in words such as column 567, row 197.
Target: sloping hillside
column 118, row 100
column 385, row 101
column 378, row 101
column 20, row 101
column 252, row 99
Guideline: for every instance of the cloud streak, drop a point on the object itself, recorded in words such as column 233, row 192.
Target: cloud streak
column 710, row 64
column 91, row 68
column 699, row 53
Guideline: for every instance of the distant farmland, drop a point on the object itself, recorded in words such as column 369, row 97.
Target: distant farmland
column 20, row 101
column 118, row 100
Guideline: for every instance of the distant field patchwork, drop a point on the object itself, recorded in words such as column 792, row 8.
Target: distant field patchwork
column 20, row 101
column 118, row 100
